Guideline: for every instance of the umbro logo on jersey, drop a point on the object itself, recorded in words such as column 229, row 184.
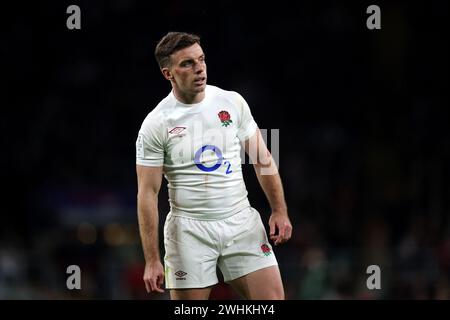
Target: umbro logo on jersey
column 180, row 275
column 177, row 130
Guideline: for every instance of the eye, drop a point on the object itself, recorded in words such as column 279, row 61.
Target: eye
column 186, row 63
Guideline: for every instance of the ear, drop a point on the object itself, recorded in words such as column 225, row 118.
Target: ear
column 167, row 74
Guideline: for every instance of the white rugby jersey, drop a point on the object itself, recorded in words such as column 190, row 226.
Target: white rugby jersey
column 198, row 146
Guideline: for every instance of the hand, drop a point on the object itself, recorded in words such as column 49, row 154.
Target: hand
column 279, row 221
column 154, row 276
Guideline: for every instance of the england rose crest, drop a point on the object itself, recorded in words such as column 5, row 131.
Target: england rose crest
column 225, row 118
column 265, row 249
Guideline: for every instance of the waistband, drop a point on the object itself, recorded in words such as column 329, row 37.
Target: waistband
column 208, row 216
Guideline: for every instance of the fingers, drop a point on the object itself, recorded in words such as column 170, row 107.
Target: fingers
column 154, row 281
column 284, row 234
column 272, row 229
column 155, row 284
column 272, row 235
column 288, row 232
column 147, row 285
column 160, row 282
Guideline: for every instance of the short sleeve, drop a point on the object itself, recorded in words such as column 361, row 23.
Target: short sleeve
column 247, row 125
column 150, row 144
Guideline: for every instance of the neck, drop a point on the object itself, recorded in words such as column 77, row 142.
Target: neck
column 188, row 98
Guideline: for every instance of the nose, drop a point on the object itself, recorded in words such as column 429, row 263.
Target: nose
column 199, row 67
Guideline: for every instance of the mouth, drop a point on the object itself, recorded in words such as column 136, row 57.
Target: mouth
column 200, row 81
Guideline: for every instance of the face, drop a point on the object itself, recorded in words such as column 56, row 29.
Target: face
column 187, row 71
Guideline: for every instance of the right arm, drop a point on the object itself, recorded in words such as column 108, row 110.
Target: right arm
column 149, row 183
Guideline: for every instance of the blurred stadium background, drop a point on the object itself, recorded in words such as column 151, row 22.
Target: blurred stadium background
column 364, row 140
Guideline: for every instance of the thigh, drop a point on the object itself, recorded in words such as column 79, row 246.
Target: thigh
column 263, row 284
column 190, row 294
column 190, row 258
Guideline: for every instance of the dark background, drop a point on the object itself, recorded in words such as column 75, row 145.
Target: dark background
column 364, row 140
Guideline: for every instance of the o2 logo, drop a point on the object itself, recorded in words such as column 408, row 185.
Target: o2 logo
column 219, row 155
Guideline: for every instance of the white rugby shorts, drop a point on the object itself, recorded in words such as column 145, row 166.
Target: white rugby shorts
column 238, row 245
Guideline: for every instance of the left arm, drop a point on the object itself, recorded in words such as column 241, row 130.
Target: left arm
column 270, row 181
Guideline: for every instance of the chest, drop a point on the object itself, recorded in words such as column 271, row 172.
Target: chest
column 213, row 130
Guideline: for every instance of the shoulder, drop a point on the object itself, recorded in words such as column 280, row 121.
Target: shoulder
column 156, row 118
column 232, row 96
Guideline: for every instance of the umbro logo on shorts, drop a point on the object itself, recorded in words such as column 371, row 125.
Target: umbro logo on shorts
column 180, row 275
column 177, row 130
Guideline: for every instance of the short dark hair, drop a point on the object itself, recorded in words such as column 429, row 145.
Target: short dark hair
column 171, row 43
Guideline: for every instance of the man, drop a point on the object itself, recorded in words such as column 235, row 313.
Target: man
column 194, row 137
